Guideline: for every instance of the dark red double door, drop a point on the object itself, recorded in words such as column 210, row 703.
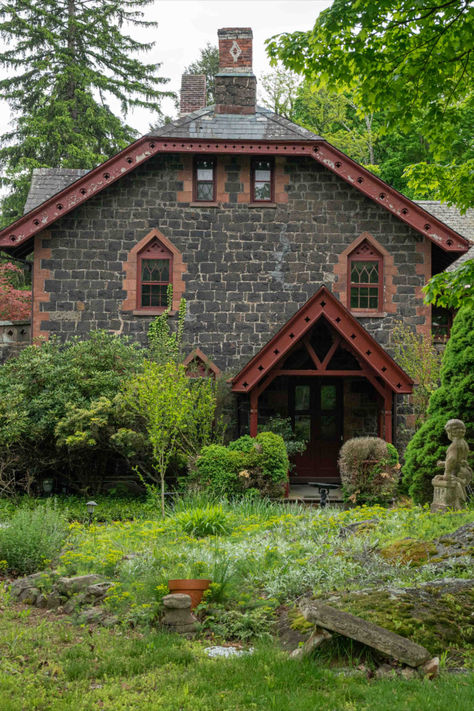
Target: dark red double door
column 316, row 410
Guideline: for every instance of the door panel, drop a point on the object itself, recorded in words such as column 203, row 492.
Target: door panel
column 316, row 410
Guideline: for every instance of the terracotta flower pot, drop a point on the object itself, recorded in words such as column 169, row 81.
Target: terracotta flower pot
column 192, row 587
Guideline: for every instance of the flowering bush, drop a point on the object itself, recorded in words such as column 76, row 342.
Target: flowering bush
column 15, row 303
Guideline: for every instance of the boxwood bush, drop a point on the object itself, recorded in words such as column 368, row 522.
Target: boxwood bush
column 257, row 464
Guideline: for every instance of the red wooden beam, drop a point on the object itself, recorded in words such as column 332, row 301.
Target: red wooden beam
column 146, row 147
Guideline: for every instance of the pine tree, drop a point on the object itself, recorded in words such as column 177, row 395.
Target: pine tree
column 454, row 399
column 66, row 59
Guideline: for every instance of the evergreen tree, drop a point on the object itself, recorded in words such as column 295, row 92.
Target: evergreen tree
column 454, row 399
column 65, row 60
column 208, row 64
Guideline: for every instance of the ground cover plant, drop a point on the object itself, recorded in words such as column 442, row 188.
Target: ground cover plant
column 261, row 556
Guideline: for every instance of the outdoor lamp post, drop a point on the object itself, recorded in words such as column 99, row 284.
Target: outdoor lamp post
column 90, row 510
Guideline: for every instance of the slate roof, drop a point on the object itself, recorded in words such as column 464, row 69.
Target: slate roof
column 46, row 182
column 262, row 125
column 464, row 224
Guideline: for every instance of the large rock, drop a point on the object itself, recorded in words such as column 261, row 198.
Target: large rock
column 69, row 586
column 381, row 639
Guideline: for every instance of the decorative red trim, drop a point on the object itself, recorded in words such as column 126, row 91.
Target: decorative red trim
column 323, row 303
column 146, row 147
column 198, row 356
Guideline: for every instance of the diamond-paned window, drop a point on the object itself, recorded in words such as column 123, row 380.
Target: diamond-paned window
column 154, row 272
column 204, row 179
column 262, row 180
column 365, row 278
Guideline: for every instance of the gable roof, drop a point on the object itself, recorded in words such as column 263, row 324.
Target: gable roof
column 323, row 304
column 450, row 215
column 46, row 182
column 292, row 140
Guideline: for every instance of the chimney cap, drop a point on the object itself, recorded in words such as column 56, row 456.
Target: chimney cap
column 235, row 32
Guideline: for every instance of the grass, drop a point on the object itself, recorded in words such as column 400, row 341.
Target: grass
column 49, row 664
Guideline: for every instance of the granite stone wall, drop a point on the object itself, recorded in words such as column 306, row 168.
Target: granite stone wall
column 249, row 268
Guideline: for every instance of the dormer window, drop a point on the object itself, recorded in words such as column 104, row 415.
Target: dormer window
column 365, row 278
column 262, row 180
column 204, row 180
column 155, row 266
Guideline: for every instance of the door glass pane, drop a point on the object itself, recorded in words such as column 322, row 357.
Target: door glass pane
column 262, row 191
column 303, row 427
column 302, row 397
column 328, row 427
column 205, row 191
column 262, row 175
column 205, row 174
column 328, row 397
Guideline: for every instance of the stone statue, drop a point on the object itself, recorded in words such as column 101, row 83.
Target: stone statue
column 450, row 488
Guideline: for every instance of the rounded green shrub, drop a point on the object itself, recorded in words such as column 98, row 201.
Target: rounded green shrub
column 369, row 470
column 454, row 399
column 249, row 463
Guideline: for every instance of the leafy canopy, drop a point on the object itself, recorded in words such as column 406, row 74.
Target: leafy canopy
column 413, row 59
column 64, row 60
column 452, row 289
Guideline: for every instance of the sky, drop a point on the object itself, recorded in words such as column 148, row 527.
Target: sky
column 185, row 26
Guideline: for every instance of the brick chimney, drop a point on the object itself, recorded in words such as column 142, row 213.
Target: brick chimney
column 193, row 93
column 236, row 84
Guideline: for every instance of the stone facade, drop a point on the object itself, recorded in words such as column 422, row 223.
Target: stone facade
column 14, row 336
column 248, row 268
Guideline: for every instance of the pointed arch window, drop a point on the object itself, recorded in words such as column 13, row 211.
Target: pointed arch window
column 155, row 269
column 365, row 278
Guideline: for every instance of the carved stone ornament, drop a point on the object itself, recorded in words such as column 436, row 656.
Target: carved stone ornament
column 235, row 51
column 450, row 488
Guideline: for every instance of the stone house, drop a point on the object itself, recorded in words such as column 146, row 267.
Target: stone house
column 296, row 262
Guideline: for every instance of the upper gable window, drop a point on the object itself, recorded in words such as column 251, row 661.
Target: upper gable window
column 155, row 267
column 205, row 179
column 365, row 278
column 262, row 180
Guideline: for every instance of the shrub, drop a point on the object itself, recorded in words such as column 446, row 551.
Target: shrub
column 282, row 426
column 57, row 383
column 369, row 470
column 454, row 399
column 258, row 464
column 32, row 539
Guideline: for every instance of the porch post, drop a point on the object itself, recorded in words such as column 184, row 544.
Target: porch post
column 388, row 416
column 253, row 413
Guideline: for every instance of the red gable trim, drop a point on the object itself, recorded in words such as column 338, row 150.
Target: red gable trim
column 323, row 303
column 145, row 148
column 198, row 356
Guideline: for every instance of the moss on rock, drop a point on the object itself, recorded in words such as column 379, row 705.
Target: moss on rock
column 409, row 551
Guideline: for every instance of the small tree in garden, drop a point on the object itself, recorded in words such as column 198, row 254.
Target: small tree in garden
column 15, row 303
column 178, row 412
column 454, row 399
column 165, row 344
column 419, row 358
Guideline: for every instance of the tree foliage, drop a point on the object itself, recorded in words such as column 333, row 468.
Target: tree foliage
column 15, row 303
column 411, row 59
column 65, row 61
column 453, row 399
column 452, row 289
column 179, row 413
column 207, row 64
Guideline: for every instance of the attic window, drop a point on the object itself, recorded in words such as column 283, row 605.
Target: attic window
column 204, row 179
column 262, row 180
column 155, row 264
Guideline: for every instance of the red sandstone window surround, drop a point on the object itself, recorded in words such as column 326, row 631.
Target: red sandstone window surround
column 155, row 269
column 262, row 180
column 365, row 278
column 204, row 183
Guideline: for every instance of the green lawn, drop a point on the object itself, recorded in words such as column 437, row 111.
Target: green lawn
column 50, row 664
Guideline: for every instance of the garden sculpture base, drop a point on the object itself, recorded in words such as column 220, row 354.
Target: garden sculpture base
column 447, row 494
column 178, row 616
column 450, row 488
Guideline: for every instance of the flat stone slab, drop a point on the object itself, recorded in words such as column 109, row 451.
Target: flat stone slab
column 389, row 643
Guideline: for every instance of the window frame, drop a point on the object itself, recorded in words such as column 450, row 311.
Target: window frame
column 141, row 257
column 357, row 255
column 253, row 163
column 436, row 335
column 213, row 160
